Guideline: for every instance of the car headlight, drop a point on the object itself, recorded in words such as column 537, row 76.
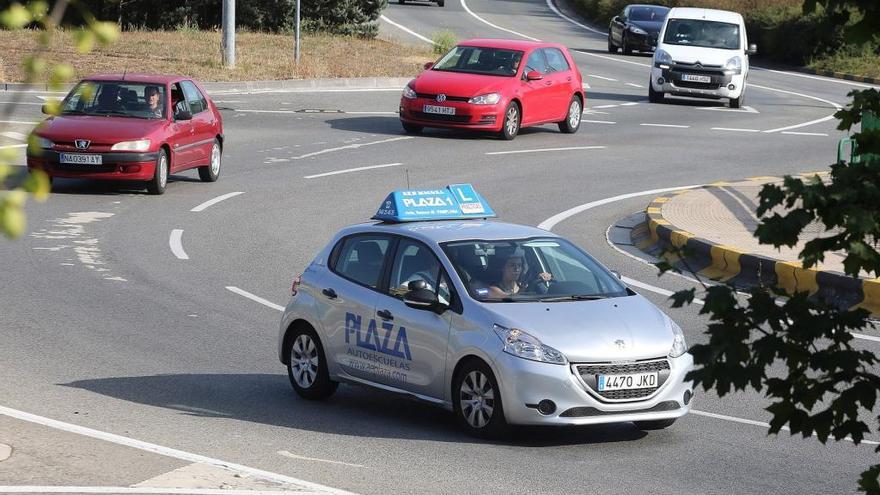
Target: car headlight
column 637, row 30
column 43, row 142
column 679, row 346
column 140, row 145
column 662, row 59
column 487, row 99
column 734, row 65
column 409, row 93
column 520, row 344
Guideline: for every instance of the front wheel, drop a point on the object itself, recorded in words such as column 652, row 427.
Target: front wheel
column 654, row 96
column 441, row 3
column 737, row 102
column 612, row 48
column 157, row 184
column 573, row 118
column 211, row 171
column 512, row 118
column 411, row 128
column 307, row 368
column 477, row 401
column 626, row 48
column 657, row 424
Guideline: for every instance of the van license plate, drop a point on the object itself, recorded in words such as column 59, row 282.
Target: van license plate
column 696, row 78
column 80, row 159
column 627, row 382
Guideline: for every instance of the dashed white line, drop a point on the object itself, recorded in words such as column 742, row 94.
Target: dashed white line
column 542, row 150
column 349, row 170
column 602, row 77
column 792, row 133
column 407, row 30
column 174, row 241
column 10, row 146
column 27, row 122
column 676, row 126
column 734, row 129
column 865, row 337
column 612, row 58
column 629, row 103
column 484, row 21
column 634, row 85
column 605, row 106
column 137, row 490
column 212, row 202
column 254, row 298
column 315, row 459
column 18, row 136
column 351, row 147
column 758, row 423
column 598, row 121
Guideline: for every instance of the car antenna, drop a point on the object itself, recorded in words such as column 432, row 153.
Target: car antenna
column 406, row 173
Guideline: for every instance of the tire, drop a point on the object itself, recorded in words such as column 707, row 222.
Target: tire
column 612, row 48
column 441, row 3
column 307, row 366
column 401, row 2
column 210, row 172
column 738, row 102
column 625, row 46
column 477, row 401
column 411, row 128
column 657, row 424
column 512, row 120
column 654, row 96
column 157, row 184
column 573, row 119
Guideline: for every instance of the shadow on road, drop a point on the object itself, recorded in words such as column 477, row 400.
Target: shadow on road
column 268, row 399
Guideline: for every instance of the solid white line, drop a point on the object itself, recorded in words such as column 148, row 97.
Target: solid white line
column 304, row 458
column 20, row 103
column 351, row 147
column 865, row 337
column 809, row 97
column 371, row 113
column 569, row 19
column 356, row 169
column 602, row 77
column 804, row 133
column 629, row 104
column 138, row 490
column 10, row 146
column 733, row 129
column 635, row 85
column 612, row 58
column 555, row 219
column 759, row 423
column 166, row 451
column 406, row 29
column 654, row 288
column 28, row 122
column 667, row 125
column 606, row 106
column 598, row 122
column 545, row 149
column 252, row 297
column 484, row 21
column 176, row 245
column 817, row 78
column 212, row 202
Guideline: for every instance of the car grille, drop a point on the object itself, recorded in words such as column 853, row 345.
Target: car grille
column 430, row 96
column 441, row 118
column 589, row 373
column 576, row 412
column 696, row 85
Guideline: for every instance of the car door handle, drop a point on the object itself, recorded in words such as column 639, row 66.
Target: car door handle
column 385, row 314
column 329, row 293
column 548, row 83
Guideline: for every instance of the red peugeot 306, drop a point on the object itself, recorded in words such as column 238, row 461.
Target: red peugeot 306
column 496, row 85
column 131, row 127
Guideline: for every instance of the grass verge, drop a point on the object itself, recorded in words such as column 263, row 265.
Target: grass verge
column 259, row 56
column 864, row 62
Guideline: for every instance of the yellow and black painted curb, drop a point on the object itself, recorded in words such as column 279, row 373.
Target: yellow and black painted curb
column 841, row 75
column 733, row 265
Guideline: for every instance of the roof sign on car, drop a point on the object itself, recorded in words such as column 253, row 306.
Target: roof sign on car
column 456, row 201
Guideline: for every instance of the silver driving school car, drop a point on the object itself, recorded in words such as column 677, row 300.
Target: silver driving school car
column 503, row 324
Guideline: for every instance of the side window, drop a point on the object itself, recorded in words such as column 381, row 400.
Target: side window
column 361, row 259
column 536, row 62
column 178, row 102
column 414, row 261
column 556, row 60
column 194, row 97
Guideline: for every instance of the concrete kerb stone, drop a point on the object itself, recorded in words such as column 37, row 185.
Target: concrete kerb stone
column 743, row 269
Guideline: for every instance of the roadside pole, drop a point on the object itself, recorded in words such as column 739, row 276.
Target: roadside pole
column 229, row 33
column 296, row 57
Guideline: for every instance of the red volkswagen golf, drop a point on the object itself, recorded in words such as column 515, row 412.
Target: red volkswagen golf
column 131, row 127
column 496, row 85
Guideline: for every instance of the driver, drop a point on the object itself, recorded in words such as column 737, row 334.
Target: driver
column 509, row 282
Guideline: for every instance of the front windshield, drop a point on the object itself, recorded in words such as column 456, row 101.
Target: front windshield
column 119, row 99
column 514, row 270
column 707, row 34
column 647, row 14
column 480, row 60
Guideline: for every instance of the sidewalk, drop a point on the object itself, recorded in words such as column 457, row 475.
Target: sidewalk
column 716, row 225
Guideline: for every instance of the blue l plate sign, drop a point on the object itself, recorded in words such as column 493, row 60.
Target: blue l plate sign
column 456, row 201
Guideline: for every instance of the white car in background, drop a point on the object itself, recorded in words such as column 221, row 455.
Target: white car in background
column 701, row 53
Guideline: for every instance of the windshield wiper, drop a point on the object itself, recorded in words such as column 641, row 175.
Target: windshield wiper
column 574, row 297
column 115, row 113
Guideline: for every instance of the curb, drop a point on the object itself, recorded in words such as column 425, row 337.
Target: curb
column 839, row 75
column 740, row 268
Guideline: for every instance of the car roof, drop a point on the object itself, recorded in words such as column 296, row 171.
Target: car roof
column 660, row 7
column 434, row 232
column 135, row 78
column 509, row 44
column 707, row 14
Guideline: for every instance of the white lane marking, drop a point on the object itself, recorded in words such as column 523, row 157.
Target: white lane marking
column 817, row 78
column 809, row 97
column 139, row 490
column 10, row 146
column 20, row 103
column 555, row 219
column 734, row 129
column 27, row 122
column 314, row 459
column 606, row 106
column 351, row 147
column 484, row 21
column 33, row 91
column 569, row 19
column 14, row 135
column 759, row 423
column 252, row 297
column 612, row 58
column 309, row 90
column 676, row 126
column 602, row 77
column 629, row 104
column 791, row 133
column 865, row 337
column 541, row 150
column 348, row 170
column 176, row 245
column 585, row 85
column 406, row 29
column 744, row 109
column 371, row 113
column 166, row 451
column 212, row 202
column 598, row 122
column 654, row 288
column 634, row 85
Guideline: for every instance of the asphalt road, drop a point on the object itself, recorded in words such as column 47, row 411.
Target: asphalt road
column 105, row 326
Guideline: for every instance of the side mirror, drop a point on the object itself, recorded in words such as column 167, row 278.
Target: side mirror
column 419, row 297
column 534, row 75
column 753, row 49
column 428, row 65
column 183, row 115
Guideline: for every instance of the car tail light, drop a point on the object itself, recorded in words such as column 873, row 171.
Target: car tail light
column 294, row 287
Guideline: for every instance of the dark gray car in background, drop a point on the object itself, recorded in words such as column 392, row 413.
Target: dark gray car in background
column 636, row 28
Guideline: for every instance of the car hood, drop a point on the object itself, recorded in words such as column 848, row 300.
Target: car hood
column 591, row 331
column 97, row 128
column 458, row 83
column 652, row 27
column 706, row 56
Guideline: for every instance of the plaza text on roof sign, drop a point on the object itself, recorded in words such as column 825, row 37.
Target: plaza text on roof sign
column 456, row 201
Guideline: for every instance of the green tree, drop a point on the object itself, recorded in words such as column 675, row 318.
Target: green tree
column 18, row 187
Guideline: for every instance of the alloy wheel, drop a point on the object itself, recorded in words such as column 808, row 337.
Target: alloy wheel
column 304, row 361
column 215, row 159
column 512, row 120
column 163, row 171
column 574, row 113
column 477, row 399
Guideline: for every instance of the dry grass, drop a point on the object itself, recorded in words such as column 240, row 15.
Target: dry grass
column 259, row 56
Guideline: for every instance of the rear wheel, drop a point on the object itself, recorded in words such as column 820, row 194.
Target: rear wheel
column 307, row 368
column 612, row 48
column 477, row 401
column 654, row 96
column 657, row 424
column 211, row 171
column 573, row 118
column 157, row 184
column 441, row 3
column 512, row 119
column 411, row 128
column 737, row 102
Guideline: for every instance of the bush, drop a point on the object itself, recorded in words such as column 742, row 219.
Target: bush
column 443, row 41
